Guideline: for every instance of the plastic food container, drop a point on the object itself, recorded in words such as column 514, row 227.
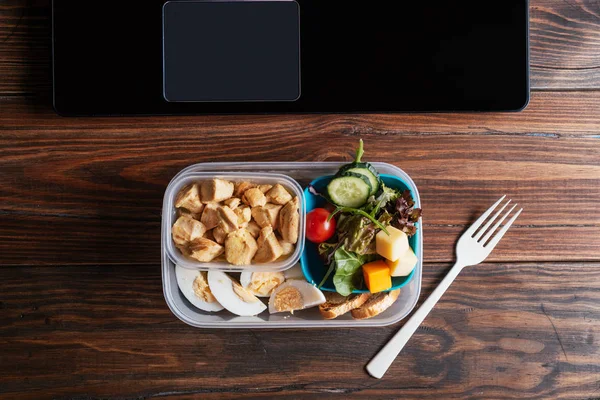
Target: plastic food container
column 303, row 173
column 170, row 216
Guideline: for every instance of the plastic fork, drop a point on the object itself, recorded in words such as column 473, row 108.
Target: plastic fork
column 472, row 248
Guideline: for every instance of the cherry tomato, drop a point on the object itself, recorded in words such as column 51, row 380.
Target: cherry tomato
column 318, row 229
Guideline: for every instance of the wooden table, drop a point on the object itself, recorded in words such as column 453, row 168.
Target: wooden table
column 82, row 313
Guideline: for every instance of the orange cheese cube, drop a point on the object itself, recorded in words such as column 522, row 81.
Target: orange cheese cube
column 377, row 276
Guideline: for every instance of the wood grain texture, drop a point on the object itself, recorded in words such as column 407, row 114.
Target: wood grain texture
column 565, row 45
column 82, row 315
column 501, row 331
column 98, row 183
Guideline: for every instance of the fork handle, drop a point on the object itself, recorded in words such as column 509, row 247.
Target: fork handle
column 382, row 361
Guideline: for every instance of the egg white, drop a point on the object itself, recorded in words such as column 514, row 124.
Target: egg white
column 311, row 295
column 294, row 273
column 221, row 286
column 185, row 281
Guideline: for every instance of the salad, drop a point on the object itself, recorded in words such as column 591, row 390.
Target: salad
column 363, row 233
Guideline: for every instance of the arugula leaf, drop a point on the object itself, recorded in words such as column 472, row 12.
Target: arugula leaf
column 360, row 231
column 357, row 211
column 375, row 204
column 348, row 276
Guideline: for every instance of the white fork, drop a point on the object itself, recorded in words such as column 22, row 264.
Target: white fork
column 472, row 248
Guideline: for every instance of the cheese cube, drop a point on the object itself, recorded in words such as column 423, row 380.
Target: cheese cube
column 377, row 276
column 404, row 265
column 391, row 246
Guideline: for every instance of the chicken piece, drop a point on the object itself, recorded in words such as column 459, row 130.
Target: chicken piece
column 267, row 215
column 228, row 220
column 186, row 229
column 287, row 248
column 278, row 195
column 219, row 235
column 289, row 220
column 205, row 250
column 254, row 198
column 253, row 228
column 183, row 212
column 240, row 247
column 215, row 190
column 233, row 202
column 210, row 216
column 264, row 188
column 244, row 215
column 269, row 248
column 189, row 198
column 184, row 250
column 209, row 235
column 241, row 187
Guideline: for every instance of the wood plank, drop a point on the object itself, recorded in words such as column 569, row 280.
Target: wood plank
column 550, row 114
column 97, row 184
column 565, row 45
column 510, row 331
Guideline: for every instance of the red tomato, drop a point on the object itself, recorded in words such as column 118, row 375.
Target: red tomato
column 318, row 229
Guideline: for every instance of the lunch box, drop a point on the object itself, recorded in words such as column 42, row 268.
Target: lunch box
column 169, row 217
column 303, row 173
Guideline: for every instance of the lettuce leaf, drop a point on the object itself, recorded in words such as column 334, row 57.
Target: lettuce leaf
column 348, row 274
column 405, row 214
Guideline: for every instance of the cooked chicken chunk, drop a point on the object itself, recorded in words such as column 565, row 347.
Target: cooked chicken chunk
column 228, row 220
column 267, row 215
column 219, row 235
column 264, row 188
column 210, row 216
column 253, row 228
column 189, row 198
column 232, row 203
column 210, row 236
column 254, row 198
column 187, row 229
column 244, row 215
column 269, row 248
column 287, row 248
column 278, row 195
column 241, row 187
column 240, row 247
column 183, row 212
column 289, row 220
column 184, row 250
column 215, row 190
column 205, row 250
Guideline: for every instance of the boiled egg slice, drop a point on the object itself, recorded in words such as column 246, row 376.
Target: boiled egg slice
column 261, row 284
column 194, row 286
column 233, row 296
column 295, row 295
column 294, row 273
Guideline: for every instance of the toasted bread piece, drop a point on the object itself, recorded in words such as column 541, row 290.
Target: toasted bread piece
column 337, row 304
column 376, row 304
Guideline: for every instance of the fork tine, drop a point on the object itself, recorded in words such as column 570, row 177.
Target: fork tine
column 502, row 231
column 491, row 232
column 490, row 222
column 486, row 214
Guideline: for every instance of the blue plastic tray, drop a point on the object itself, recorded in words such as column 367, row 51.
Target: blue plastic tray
column 314, row 268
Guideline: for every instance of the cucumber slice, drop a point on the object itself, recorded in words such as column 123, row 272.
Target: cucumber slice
column 364, row 165
column 363, row 168
column 349, row 190
column 374, row 180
